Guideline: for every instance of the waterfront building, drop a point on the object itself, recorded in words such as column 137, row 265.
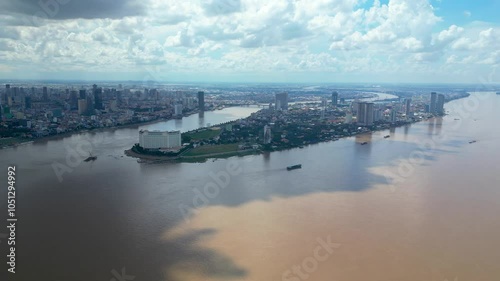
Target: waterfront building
column 408, row 108
column 394, row 115
column 433, row 105
column 159, row 139
column 440, row 104
column 335, row 98
column 201, row 101
column 364, row 114
column 281, row 101
column 377, row 114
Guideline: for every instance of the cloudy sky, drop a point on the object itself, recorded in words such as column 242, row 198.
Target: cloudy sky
column 251, row 40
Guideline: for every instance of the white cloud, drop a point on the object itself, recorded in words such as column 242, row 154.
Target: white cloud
column 241, row 36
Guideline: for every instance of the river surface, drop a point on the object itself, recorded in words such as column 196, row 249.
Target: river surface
column 422, row 205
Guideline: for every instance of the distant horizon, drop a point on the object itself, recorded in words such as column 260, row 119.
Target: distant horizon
column 368, row 84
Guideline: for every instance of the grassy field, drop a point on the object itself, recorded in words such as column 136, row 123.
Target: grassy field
column 203, row 135
column 212, row 149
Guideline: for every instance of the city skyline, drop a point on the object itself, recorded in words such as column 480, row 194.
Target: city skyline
column 251, row 41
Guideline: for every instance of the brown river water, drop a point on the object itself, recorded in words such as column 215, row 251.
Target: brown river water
column 422, row 205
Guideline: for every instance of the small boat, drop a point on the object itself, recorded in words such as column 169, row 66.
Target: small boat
column 289, row 168
column 364, row 143
column 386, row 137
column 474, row 141
column 90, row 158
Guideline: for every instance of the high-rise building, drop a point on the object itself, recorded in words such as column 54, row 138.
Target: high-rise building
column 73, row 100
column 365, row 114
column 377, row 114
column 83, row 94
column 440, row 104
column 408, row 108
column 45, row 94
column 201, row 101
column 335, row 98
column 97, row 97
column 268, row 137
column 119, row 97
column 90, row 106
column 27, row 102
column 281, row 101
column 7, row 93
column 394, row 115
column 82, row 106
column 432, row 106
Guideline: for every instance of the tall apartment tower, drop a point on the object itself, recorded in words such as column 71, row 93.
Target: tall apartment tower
column 365, row 114
column 97, row 97
column 335, row 98
column 201, row 101
column 7, row 93
column 432, row 106
column 408, row 108
column 281, row 101
column 83, row 94
column 440, row 104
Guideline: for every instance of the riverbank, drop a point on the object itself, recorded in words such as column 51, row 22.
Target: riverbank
column 22, row 141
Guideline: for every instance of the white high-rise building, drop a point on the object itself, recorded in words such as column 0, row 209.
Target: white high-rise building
column 159, row 139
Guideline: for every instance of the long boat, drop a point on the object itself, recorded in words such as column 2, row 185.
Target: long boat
column 289, row 168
